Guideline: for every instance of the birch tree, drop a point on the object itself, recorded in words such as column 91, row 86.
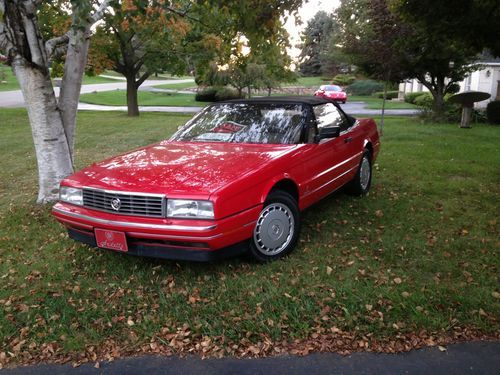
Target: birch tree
column 52, row 119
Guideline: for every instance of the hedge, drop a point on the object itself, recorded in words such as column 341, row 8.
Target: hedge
column 390, row 94
column 412, row 96
column 493, row 112
column 216, row 94
column 364, row 88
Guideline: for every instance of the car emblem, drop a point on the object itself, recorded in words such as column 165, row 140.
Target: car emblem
column 116, row 204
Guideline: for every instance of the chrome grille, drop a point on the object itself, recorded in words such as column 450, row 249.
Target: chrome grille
column 129, row 204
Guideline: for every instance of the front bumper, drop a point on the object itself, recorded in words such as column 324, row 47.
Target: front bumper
column 198, row 240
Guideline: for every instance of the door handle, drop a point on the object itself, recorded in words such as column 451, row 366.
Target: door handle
column 348, row 140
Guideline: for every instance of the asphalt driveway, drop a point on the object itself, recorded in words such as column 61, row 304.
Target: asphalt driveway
column 465, row 358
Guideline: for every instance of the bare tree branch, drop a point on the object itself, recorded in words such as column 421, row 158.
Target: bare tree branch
column 141, row 80
column 5, row 43
column 99, row 13
column 186, row 15
column 53, row 45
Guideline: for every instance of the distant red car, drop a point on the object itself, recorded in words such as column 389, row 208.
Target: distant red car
column 239, row 173
column 332, row 92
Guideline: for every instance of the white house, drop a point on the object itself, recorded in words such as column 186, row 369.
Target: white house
column 485, row 79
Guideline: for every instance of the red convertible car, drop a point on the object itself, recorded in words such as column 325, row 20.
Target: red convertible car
column 332, row 92
column 234, row 178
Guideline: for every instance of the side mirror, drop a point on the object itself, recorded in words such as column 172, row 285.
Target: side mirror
column 328, row 132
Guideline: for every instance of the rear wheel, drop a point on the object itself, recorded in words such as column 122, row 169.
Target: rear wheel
column 277, row 229
column 363, row 179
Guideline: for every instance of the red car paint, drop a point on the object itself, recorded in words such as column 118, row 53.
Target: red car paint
column 236, row 177
column 332, row 92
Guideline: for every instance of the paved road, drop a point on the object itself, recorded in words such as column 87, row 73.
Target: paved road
column 15, row 98
column 467, row 358
column 353, row 108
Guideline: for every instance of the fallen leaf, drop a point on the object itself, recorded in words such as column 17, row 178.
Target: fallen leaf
column 398, row 280
column 329, row 270
column 442, row 348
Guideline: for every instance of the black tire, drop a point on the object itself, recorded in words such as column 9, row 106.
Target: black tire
column 362, row 182
column 277, row 229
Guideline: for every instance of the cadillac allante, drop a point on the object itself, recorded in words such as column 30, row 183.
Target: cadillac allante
column 234, row 178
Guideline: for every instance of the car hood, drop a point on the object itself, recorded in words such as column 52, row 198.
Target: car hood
column 191, row 168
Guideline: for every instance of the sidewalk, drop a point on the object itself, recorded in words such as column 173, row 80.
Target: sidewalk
column 354, row 108
column 465, row 358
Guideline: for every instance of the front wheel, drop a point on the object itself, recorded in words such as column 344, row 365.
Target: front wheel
column 363, row 179
column 277, row 228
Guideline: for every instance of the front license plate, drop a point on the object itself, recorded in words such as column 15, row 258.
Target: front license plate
column 111, row 239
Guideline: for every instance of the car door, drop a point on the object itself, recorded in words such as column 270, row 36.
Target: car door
column 325, row 161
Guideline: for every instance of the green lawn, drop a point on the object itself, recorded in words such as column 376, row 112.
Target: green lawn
column 308, row 82
column 146, row 98
column 376, row 103
column 7, row 79
column 413, row 263
column 12, row 84
column 177, row 86
column 160, row 76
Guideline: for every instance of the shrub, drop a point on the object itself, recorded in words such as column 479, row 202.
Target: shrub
column 216, row 94
column 493, row 112
column 390, row 95
column 454, row 88
column 343, row 80
column 425, row 100
column 57, row 70
column 364, row 88
column 412, row 96
column 226, row 93
column 206, row 95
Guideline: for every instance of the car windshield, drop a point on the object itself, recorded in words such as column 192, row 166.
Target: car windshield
column 331, row 88
column 245, row 123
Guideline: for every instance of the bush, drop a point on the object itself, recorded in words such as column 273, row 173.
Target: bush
column 425, row 100
column 216, row 94
column 412, row 96
column 454, row 88
column 390, row 95
column 206, row 95
column 493, row 112
column 364, row 88
column 343, row 80
column 226, row 93
column 57, row 70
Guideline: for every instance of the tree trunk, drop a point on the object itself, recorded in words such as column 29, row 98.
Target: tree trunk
column 269, row 89
column 74, row 68
column 132, row 102
column 439, row 104
column 249, row 91
column 51, row 146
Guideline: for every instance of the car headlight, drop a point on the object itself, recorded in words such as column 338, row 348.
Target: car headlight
column 192, row 209
column 71, row 195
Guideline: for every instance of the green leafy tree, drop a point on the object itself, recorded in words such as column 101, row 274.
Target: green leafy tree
column 30, row 46
column 147, row 37
column 473, row 23
column 315, row 44
column 390, row 46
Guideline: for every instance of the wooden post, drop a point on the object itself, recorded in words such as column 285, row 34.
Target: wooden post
column 466, row 117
